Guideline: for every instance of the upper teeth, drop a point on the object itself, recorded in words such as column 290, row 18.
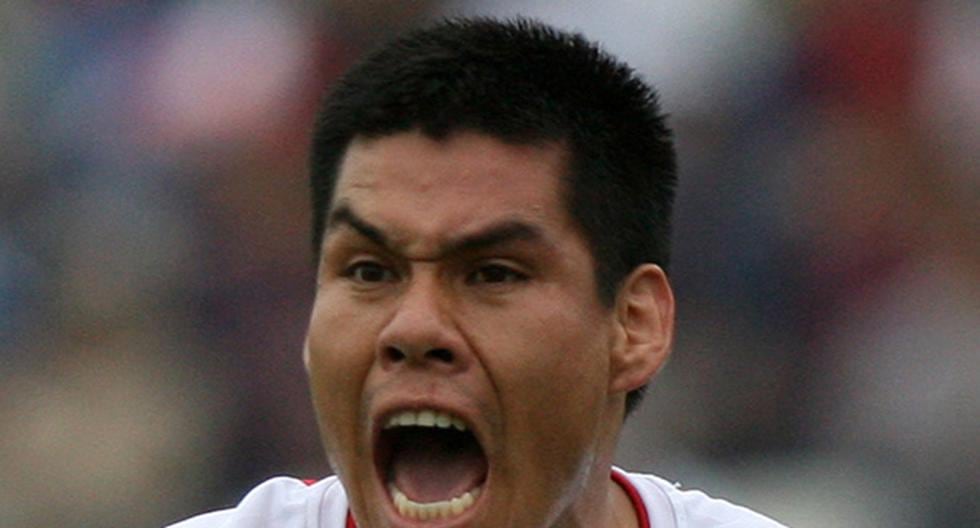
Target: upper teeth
column 425, row 418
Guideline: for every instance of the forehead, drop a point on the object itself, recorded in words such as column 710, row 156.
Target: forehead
column 425, row 188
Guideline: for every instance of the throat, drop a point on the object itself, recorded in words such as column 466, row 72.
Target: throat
column 430, row 466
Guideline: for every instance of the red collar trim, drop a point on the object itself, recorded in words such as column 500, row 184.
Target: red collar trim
column 641, row 509
column 617, row 477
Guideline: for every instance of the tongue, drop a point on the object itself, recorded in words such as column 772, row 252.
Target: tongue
column 429, row 466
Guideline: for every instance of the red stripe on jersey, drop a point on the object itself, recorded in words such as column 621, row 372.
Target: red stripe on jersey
column 621, row 480
column 634, row 495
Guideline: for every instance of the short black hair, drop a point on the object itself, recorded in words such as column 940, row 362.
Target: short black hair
column 522, row 82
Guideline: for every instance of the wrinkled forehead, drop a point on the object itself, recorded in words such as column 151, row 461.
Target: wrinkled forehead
column 468, row 156
column 414, row 184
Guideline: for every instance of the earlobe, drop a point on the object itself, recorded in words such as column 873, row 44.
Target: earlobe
column 306, row 353
column 645, row 319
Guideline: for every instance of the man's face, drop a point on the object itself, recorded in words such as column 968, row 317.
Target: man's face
column 457, row 347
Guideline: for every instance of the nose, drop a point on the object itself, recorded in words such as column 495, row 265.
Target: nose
column 422, row 331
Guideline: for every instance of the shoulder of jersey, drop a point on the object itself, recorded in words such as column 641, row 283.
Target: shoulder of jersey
column 695, row 509
column 283, row 502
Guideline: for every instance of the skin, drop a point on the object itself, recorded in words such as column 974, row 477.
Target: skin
column 452, row 277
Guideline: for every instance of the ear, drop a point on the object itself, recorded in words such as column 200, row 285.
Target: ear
column 306, row 353
column 644, row 328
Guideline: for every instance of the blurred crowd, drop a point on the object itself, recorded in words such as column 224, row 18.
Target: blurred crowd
column 156, row 272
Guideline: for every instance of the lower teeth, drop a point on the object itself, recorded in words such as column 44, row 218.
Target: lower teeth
column 424, row 511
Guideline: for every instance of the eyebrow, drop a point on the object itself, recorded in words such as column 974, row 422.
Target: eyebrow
column 503, row 232
column 344, row 215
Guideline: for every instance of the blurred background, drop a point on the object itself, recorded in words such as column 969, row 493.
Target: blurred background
column 156, row 277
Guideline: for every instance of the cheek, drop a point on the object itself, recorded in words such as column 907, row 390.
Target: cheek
column 552, row 372
column 569, row 343
column 570, row 384
column 340, row 351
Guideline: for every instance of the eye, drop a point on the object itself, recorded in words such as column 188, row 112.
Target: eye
column 495, row 274
column 369, row 272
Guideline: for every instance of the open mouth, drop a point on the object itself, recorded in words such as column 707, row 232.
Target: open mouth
column 431, row 463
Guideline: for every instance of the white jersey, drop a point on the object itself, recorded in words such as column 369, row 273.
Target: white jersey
column 290, row 503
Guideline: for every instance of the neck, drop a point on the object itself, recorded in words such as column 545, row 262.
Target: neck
column 606, row 504
column 603, row 502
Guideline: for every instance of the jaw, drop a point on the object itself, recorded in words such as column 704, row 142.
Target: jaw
column 535, row 489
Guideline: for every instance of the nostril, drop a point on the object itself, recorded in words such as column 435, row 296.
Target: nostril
column 440, row 354
column 394, row 355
